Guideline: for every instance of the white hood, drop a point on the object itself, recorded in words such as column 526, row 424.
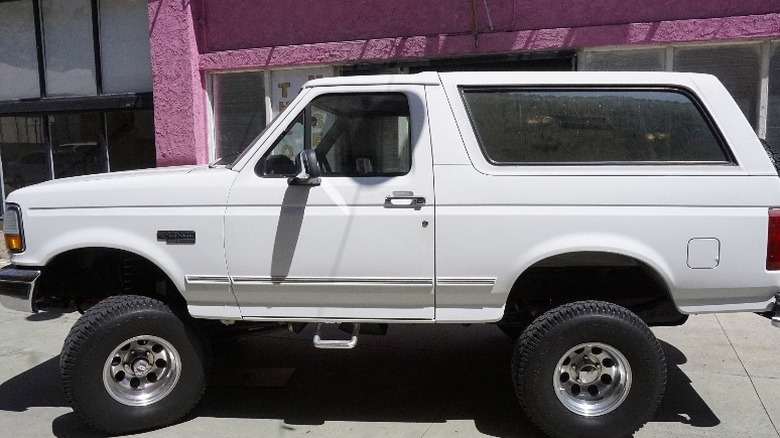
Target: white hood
column 172, row 186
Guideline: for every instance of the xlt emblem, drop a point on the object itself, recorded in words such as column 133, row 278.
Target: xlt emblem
column 176, row 237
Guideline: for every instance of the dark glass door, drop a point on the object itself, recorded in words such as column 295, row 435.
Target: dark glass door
column 77, row 144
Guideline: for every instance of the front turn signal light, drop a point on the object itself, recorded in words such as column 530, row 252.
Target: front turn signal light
column 13, row 242
column 12, row 228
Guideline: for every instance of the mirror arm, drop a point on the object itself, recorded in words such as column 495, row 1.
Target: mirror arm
column 304, row 180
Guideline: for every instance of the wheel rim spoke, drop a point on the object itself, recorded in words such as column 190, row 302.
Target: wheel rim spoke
column 592, row 379
column 141, row 370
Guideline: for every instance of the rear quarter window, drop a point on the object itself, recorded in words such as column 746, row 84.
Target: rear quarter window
column 592, row 126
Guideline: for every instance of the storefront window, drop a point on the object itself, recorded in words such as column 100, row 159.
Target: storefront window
column 737, row 66
column 773, row 110
column 124, row 46
column 70, row 53
column 239, row 110
column 624, row 60
column 87, row 133
column 130, row 140
column 24, row 152
column 286, row 84
column 76, row 144
column 18, row 56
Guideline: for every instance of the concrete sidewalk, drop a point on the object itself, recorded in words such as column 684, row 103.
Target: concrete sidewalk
column 418, row 381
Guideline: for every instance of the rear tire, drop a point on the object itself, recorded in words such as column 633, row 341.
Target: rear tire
column 589, row 369
column 130, row 364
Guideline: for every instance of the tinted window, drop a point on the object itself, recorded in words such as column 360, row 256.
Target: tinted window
column 352, row 134
column 521, row 126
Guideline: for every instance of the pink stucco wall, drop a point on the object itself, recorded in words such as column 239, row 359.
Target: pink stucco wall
column 179, row 92
column 708, row 29
column 241, row 24
column 190, row 37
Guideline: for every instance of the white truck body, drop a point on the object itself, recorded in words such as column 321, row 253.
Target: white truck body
column 572, row 209
column 348, row 257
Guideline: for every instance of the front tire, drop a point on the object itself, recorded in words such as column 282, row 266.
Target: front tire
column 589, row 369
column 131, row 364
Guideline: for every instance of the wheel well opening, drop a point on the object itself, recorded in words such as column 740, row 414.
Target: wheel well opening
column 85, row 276
column 578, row 276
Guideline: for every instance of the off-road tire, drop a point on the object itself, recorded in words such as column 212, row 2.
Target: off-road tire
column 555, row 336
column 96, row 336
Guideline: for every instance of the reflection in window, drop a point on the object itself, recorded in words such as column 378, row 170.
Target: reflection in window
column 130, row 140
column 24, row 152
column 76, row 144
column 124, row 46
column 70, row 56
column 352, row 134
column 590, row 126
column 18, row 56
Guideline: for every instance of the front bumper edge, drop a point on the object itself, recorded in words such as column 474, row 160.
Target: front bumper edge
column 17, row 288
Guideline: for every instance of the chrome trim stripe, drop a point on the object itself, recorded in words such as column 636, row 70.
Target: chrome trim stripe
column 326, row 280
column 466, row 281
column 206, row 279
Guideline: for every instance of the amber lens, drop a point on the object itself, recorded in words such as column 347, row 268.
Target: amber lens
column 13, row 242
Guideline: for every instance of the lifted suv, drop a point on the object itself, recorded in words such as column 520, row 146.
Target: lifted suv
column 573, row 210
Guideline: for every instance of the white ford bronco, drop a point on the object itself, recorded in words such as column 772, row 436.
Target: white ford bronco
column 571, row 209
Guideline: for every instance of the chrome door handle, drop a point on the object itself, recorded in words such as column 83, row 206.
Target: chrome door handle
column 404, row 200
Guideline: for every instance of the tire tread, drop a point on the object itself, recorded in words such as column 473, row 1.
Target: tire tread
column 533, row 336
column 88, row 325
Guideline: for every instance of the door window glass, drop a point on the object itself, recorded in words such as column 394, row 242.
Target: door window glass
column 352, row 134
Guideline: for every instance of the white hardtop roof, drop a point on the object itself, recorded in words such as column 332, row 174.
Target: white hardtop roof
column 572, row 78
column 424, row 78
column 517, row 78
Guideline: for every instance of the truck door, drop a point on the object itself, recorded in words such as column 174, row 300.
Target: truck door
column 360, row 244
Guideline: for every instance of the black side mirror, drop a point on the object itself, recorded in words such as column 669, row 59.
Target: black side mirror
column 307, row 169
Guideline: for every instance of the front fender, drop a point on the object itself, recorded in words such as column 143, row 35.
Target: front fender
column 108, row 238
column 49, row 233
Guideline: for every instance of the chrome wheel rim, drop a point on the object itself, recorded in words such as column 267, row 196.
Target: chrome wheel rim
column 592, row 379
column 141, row 371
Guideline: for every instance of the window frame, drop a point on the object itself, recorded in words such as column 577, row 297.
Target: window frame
column 730, row 158
column 307, row 138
